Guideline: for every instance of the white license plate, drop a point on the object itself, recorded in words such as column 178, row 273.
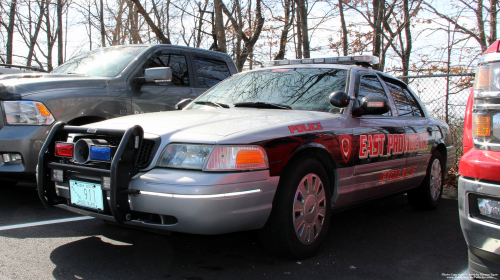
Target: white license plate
column 86, row 194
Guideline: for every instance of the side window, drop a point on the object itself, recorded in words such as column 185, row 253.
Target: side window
column 178, row 64
column 370, row 85
column 417, row 111
column 211, row 71
column 400, row 98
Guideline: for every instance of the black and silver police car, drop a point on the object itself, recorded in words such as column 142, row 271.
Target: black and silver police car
column 273, row 150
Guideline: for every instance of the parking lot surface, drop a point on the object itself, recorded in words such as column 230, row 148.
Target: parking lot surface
column 384, row 239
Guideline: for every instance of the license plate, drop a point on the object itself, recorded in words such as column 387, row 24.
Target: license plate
column 86, row 194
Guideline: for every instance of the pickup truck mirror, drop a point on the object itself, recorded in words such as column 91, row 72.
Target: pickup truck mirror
column 339, row 99
column 372, row 105
column 158, row 74
column 183, row 103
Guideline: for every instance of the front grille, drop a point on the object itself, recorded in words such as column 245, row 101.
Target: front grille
column 145, row 152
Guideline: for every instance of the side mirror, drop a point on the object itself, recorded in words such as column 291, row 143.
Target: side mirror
column 339, row 99
column 158, row 74
column 374, row 105
column 183, row 103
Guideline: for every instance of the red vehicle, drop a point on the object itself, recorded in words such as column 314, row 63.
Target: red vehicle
column 479, row 183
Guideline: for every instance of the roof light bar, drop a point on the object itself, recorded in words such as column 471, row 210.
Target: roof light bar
column 327, row 60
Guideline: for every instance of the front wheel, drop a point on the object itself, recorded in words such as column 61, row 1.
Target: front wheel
column 428, row 195
column 301, row 211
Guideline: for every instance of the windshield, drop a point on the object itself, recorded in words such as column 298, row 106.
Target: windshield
column 107, row 62
column 300, row 88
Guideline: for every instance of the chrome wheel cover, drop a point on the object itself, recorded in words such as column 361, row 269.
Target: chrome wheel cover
column 436, row 179
column 309, row 208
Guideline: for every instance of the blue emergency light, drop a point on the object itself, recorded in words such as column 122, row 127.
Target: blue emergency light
column 101, row 153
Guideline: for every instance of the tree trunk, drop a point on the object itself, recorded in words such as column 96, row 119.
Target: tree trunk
column 407, row 52
column 302, row 10
column 378, row 13
column 493, row 21
column 34, row 38
column 284, row 32
column 101, row 19
column 480, row 25
column 60, row 45
column 156, row 30
column 219, row 26
column 10, row 31
column 345, row 45
column 299, row 37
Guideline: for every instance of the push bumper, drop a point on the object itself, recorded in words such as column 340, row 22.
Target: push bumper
column 26, row 141
column 482, row 234
column 195, row 201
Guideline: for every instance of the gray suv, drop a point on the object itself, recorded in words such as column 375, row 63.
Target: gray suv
column 98, row 85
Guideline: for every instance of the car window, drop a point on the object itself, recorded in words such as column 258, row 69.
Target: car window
column 403, row 105
column 210, row 71
column 178, row 64
column 370, row 85
column 417, row 111
column 300, row 88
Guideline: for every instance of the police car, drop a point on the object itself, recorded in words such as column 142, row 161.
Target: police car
column 273, row 150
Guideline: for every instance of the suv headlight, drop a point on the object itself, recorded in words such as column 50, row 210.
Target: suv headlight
column 26, row 113
column 213, row 158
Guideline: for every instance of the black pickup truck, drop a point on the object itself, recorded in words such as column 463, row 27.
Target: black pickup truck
column 98, row 85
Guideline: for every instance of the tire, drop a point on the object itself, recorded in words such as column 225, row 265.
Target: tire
column 428, row 195
column 7, row 184
column 299, row 219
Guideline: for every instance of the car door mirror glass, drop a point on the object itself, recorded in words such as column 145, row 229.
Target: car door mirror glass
column 374, row 105
column 183, row 103
column 339, row 99
column 158, row 75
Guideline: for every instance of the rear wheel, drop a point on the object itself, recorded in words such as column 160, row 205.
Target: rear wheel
column 7, row 183
column 428, row 195
column 301, row 211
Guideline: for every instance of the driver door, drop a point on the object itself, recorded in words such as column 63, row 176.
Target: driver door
column 380, row 159
column 155, row 97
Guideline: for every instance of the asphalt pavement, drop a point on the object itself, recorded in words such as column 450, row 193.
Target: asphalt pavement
column 384, row 239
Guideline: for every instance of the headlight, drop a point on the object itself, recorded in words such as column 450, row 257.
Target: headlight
column 189, row 156
column 26, row 113
column 213, row 158
column 226, row 158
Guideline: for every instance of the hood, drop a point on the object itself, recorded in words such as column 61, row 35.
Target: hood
column 214, row 125
column 22, row 85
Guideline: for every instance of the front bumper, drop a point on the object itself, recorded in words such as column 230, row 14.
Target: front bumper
column 24, row 140
column 482, row 234
column 195, row 201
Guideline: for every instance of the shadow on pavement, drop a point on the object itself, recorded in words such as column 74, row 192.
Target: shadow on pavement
column 385, row 239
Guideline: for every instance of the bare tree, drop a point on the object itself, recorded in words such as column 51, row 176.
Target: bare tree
column 10, row 31
column 140, row 9
column 477, row 8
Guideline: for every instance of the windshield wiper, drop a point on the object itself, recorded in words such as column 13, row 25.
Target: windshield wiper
column 262, row 105
column 212, row 103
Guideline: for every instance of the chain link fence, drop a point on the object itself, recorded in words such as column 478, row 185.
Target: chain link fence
column 445, row 97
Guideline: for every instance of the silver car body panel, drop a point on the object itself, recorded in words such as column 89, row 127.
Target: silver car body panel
column 478, row 233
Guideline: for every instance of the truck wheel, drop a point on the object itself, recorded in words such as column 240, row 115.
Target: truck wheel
column 428, row 195
column 301, row 211
column 7, row 183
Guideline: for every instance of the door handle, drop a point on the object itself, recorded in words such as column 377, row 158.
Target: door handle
column 400, row 130
column 429, row 129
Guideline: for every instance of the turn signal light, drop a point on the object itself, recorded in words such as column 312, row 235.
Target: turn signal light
column 483, row 77
column 249, row 157
column 482, row 126
column 64, row 149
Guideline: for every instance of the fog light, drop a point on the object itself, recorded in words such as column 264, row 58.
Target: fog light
column 57, row 175
column 6, row 158
column 489, row 207
column 106, row 182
